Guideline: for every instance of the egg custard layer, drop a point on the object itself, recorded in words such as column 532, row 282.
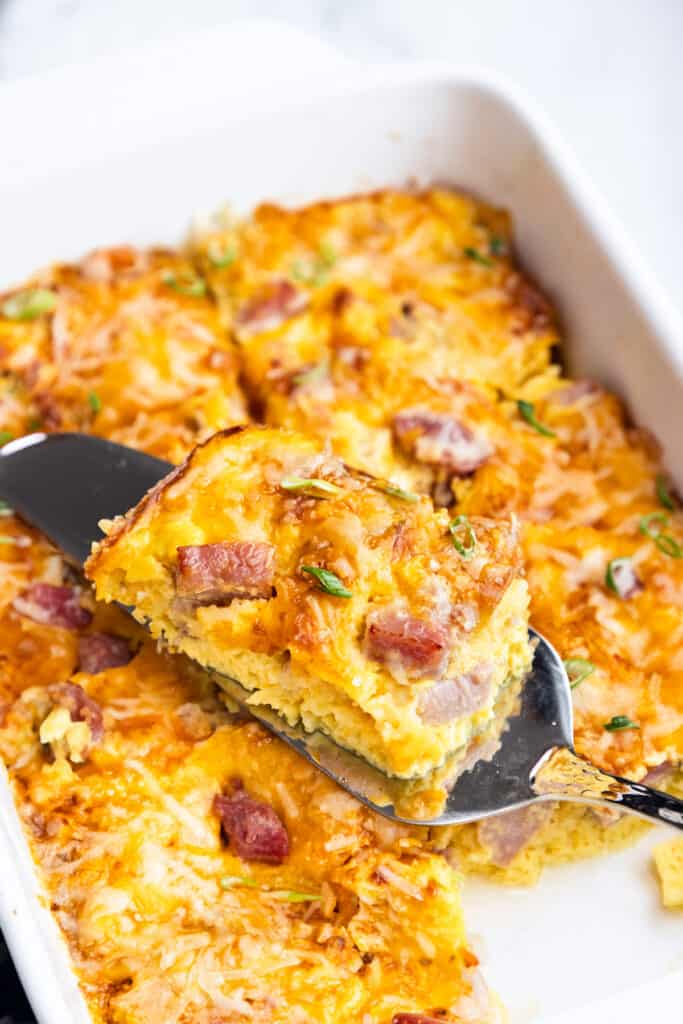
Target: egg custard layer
column 339, row 600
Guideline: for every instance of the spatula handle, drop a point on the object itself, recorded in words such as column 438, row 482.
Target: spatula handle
column 563, row 775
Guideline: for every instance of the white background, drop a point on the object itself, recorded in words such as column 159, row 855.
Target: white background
column 609, row 71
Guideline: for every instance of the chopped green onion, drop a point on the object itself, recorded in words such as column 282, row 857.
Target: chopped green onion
column 457, row 527
column 663, row 494
column 666, row 544
column 29, row 304
column 230, row 881
column 8, row 540
column 398, row 492
column 33, row 425
column 474, row 254
column 498, row 246
column 315, row 273
column 310, row 375
column 95, row 402
column 5, row 509
column 294, row 897
column 619, row 722
column 185, row 283
column 221, row 258
column 319, row 488
column 613, row 566
column 328, row 582
column 526, row 411
column 577, row 670
column 5, row 436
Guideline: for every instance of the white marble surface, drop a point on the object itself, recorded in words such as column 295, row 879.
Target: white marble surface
column 609, row 71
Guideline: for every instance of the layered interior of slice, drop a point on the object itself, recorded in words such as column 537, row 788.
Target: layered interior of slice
column 342, row 602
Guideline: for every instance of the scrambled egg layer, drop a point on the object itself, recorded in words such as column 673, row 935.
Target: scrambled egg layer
column 300, row 649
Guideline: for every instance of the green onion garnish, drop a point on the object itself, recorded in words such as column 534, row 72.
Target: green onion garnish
column 29, row 304
column 310, row 375
column 230, row 881
column 666, row 544
column 498, row 246
column 5, row 509
column 398, row 492
column 619, row 722
column 5, row 436
column 294, row 897
column 474, row 254
column 317, row 488
column 95, row 402
column 577, row 670
column 316, row 273
column 8, row 540
column 613, row 567
column 328, row 582
column 462, row 526
column 221, row 258
column 526, row 411
column 185, row 283
column 33, row 425
column 663, row 494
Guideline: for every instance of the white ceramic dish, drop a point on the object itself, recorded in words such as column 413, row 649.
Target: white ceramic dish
column 588, row 932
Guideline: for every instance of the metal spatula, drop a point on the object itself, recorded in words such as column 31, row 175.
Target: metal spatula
column 65, row 483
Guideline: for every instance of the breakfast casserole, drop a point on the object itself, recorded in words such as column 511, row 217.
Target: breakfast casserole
column 199, row 870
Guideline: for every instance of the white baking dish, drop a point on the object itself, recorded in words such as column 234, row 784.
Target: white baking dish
column 589, row 931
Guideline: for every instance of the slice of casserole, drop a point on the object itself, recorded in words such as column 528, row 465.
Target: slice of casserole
column 337, row 600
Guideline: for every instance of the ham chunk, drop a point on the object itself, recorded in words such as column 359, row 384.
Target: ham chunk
column 454, row 698
column 216, row 573
column 507, row 834
column 252, row 828
column 80, row 706
column 268, row 311
column 441, row 440
column 98, row 651
column 416, row 1018
column 405, row 643
column 51, row 605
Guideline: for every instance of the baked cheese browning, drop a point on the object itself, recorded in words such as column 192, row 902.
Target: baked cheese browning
column 326, row 593
column 126, row 344
column 169, row 915
column 339, row 306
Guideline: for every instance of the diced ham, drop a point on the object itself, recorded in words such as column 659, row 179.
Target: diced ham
column 406, row 643
column 415, row 1018
column 214, row 573
column 252, row 828
column 455, row 698
column 52, row 606
column 627, row 583
column 659, row 774
column 441, row 440
column 98, row 651
column 80, row 706
column 507, row 834
column 535, row 312
column 266, row 312
column 575, row 391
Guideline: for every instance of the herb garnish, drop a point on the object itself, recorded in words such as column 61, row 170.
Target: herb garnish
column 29, row 304
column 317, row 488
column 5, row 436
column 476, row 256
column 526, row 411
column 667, row 545
column 5, row 509
column 219, row 257
column 462, row 526
column 577, row 670
column 230, row 881
column 498, row 246
column 327, row 581
column 663, row 494
column 187, row 283
column 316, row 273
column 398, row 492
column 620, row 722
column 95, row 402
column 613, row 566
column 292, row 896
